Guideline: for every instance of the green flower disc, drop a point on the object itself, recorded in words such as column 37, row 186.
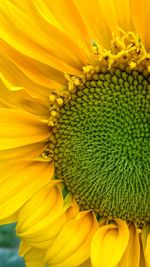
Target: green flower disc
column 103, row 145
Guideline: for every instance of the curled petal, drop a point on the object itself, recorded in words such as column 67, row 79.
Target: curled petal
column 72, row 246
column 109, row 244
column 131, row 257
column 32, row 256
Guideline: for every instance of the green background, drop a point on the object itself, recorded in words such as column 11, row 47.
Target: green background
column 9, row 247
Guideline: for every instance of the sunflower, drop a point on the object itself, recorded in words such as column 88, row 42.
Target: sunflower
column 75, row 131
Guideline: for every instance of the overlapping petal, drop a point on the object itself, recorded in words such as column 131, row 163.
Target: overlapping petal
column 147, row 252
column 131, row 257
column 146, row 244
column 72, row 246
column 87, row 263
column 66, row 16
column 109, row 244
column 32, row 256
column 31, row 37
column 19, row 182
column 42, row 217
column 20, row 99
column 19, row 128
column 34, row 75
column 108, row 17
column 140, row 15
column 24, row 153
column 117, row 15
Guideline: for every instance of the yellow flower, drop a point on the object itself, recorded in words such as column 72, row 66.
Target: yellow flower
column 75, row 131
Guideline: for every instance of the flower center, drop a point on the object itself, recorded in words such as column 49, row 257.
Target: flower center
column 103, row 145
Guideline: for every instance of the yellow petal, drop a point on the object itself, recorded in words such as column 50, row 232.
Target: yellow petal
column 10, row 219
column 86, row 264
column 33, row 257
column 20, row 99
column 73, row 210
column 42, row 217
column 17, row 78
column 109, row 244
column 131, row 257
column 142, row 258
column 19, row 182
column 145, row 237
column 96, row 24
column 19, row 128
column 147, row 252
column 33, row 36
column 109, row 15
column 66, row 16
column 140, row 15
column 32, row 72
column 26, row 153
column 72, row 246
column 117, row 14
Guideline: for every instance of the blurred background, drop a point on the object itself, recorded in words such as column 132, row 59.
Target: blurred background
column 9, row 244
